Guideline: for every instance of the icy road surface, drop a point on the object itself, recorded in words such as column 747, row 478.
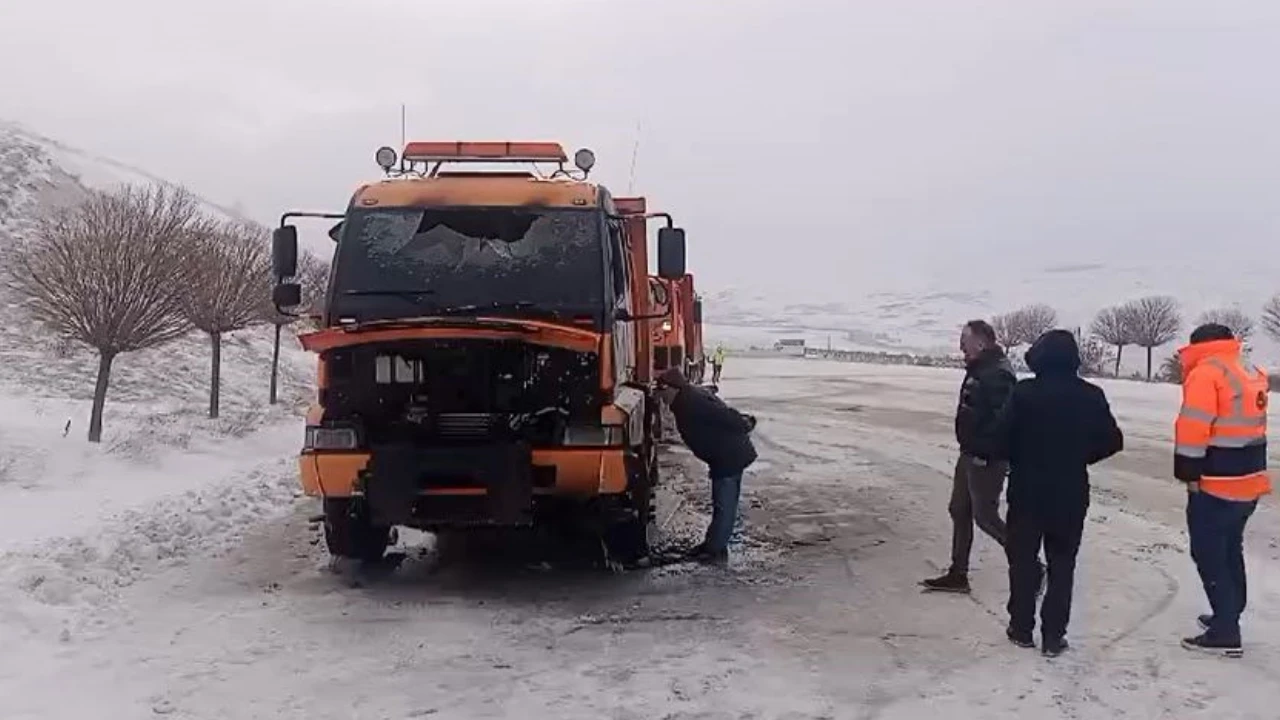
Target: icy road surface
column 217, row 604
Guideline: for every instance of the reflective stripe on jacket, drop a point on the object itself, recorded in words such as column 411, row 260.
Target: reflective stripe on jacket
column 1221, row 433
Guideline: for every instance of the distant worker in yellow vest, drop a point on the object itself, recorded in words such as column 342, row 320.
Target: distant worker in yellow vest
column 717, row 364
column 1221, row 454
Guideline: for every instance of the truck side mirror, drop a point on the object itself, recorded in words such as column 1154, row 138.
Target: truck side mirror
column 697, row 311
column 671, row 251
column 284, row 251
column 287, row 295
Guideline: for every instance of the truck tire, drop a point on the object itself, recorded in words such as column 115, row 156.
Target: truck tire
column 633, row 536
column 349, row 533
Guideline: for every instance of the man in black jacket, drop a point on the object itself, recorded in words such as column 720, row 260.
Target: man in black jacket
column 979, row 477
column 1053, row 428
column 719, row 436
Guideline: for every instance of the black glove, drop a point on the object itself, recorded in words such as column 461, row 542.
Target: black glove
column 751, row 421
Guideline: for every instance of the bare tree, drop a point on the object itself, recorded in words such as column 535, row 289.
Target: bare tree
column 109, row 273
column 1023, row 326
column 1037, row 320
column 1156, row 321
column 228, row 289
column 313, row 276
column 1007, row 334
column 1240, row 323
column 1095, row 354
column 1114, row 326
column 1271, row 318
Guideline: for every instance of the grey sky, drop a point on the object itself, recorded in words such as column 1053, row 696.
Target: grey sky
column 879, row 140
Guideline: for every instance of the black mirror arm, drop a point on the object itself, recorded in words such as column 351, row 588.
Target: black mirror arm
column 625, row 316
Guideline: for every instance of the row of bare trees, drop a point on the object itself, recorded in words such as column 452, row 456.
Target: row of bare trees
column 135, row 268
column 1147, row 322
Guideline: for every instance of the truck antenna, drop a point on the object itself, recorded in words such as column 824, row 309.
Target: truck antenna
column 635, row 150
column 402, row 125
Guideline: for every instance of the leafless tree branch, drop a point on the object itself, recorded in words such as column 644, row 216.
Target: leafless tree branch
column 229, row 287
column 1024, row 325
column 1156, row 321
column 109, row 273
column 1242, row 326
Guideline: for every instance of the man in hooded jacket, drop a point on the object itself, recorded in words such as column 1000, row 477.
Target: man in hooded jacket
column 1053, row 428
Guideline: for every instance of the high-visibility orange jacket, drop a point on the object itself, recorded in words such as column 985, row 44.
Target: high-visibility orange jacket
column 1221, row 433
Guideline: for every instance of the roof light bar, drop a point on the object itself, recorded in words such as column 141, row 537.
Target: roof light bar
column 484, row 152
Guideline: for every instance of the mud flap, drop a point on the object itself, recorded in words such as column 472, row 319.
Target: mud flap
column 397, row 474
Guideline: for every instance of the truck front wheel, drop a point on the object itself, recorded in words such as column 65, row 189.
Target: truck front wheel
column 349, row 532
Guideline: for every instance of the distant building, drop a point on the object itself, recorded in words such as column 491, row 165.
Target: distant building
column 790, row 346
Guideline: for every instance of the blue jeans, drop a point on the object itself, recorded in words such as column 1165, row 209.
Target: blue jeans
column 1216, row 527
column 725, row 492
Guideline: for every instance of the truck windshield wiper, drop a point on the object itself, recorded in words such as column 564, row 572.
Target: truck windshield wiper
column 401, row 293
column 478, row 307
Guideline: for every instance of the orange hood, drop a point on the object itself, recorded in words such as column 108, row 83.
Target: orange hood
column 531, row 331
column 1194, row 354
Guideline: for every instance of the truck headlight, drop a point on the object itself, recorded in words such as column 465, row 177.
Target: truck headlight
column 593, row 435
column 330, row 438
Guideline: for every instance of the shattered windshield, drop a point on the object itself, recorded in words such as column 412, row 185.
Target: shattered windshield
column 507, row 261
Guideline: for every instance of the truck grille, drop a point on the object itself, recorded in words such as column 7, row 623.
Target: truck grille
column 468, row 426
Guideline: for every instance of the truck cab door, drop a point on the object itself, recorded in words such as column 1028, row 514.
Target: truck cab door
column 624, row 343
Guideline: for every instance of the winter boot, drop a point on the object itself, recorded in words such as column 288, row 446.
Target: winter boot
column 950, row 582
column 1053, row 647
column 1021, row 639
column 1213, row 646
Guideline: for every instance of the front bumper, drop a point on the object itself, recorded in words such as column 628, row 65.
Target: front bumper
column 580, row 472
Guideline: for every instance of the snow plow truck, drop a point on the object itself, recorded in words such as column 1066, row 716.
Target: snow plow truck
column 677, row 338
column 485, row 349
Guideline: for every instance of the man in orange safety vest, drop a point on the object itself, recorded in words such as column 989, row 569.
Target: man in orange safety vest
column 1221, row 454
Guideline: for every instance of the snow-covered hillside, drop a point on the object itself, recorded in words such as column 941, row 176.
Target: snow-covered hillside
column 923, row 314
column 36, row 174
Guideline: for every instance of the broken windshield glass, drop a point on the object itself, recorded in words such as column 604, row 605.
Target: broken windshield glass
column 520, row 260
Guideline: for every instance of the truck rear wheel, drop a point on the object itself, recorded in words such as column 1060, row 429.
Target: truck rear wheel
column 349, row 532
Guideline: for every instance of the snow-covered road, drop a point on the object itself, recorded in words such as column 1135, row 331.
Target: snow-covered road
column 820, row 616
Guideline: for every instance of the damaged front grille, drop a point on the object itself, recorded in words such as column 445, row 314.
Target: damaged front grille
column 469, row 426
column 461, row 391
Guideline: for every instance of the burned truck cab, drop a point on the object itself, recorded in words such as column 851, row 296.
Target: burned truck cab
column 479, row 355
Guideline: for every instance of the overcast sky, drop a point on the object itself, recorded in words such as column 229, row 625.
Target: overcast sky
column 857, row 139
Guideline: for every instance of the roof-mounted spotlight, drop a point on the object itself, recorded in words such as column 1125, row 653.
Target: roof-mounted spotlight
column 386, row 158
column 584, row 159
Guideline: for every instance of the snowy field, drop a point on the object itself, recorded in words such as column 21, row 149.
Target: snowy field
column 188, row 583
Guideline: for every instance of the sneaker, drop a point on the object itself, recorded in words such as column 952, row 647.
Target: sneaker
column 1053, row 647
column 1021, row 639
column 1213, row 646
column 951, row 582
column 1204, row 621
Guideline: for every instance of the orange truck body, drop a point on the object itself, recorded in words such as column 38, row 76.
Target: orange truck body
column 677, row 338
column 448, row 401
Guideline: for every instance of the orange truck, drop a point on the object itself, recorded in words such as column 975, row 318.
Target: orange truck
column 484, row 350
column 677, row 339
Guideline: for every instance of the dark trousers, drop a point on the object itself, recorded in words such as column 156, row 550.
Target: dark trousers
column 715, row 372
column 975, row 498
column 1059, row 530
column 1216, row 527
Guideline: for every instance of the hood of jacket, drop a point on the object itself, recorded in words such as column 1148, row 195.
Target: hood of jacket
column 1055, row 352
column 1194, row 354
